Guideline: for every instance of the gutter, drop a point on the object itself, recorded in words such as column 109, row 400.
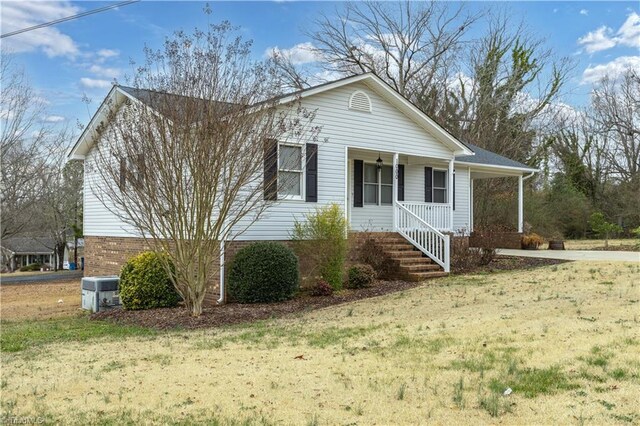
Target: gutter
column 527, row 177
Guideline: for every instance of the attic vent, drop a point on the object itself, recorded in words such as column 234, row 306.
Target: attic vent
column 359, row 101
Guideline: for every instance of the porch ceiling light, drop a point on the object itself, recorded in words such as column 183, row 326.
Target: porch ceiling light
column 379, row 162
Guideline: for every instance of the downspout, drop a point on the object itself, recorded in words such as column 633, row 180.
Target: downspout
column 527, row 177
column 221, row 299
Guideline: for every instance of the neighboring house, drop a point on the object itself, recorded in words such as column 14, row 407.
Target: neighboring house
column 371, row 131
column 22, row 251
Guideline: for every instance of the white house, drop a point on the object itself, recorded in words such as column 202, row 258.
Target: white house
column 388, row 165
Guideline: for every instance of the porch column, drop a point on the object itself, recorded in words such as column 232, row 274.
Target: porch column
column 395, row 189
column 470, row 204
column 520, row 203
column 450, row 193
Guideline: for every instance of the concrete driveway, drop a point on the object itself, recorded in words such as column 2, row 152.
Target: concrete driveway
column 619, row 256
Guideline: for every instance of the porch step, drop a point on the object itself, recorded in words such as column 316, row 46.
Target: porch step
column 413, row 260
column 403, row 254
column 420, row 267
column 421, row 276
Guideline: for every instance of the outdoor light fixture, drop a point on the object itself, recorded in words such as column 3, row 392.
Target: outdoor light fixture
column 379, row 162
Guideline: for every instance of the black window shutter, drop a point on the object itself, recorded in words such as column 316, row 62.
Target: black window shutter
column 270, row 184
column 453, row 191
column 400, row 182
column 312, row 173
column 428, row 184
column 358, row 171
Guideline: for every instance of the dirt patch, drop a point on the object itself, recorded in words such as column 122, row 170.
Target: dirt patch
column 234, row 313
column 21, row 301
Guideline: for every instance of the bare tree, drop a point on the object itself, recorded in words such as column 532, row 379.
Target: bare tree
column 407, row 44
column 189, row 163
column 23, row 140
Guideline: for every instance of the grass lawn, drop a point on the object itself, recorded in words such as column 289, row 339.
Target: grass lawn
column 592, row 244
column 565, row 339
column 43, row 300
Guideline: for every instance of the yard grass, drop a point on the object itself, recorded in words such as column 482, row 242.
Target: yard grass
column 40, row 300
column 592, row 244
column 565, row 339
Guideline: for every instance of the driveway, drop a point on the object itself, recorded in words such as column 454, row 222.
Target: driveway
column 44, row 277
column 619, row 256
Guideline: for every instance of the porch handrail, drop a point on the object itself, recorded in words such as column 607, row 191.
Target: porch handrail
column 436, row 214
column 422, row 235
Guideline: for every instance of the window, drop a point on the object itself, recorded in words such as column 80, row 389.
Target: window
column 370, row 184
column 386, row 185
column 290, row 171
column 439, row 186
column 378, row 184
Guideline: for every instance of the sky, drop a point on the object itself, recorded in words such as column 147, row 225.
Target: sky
column 82, row 57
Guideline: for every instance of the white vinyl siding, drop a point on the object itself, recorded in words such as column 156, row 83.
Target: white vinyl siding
column 385, row 129
column 461, row 213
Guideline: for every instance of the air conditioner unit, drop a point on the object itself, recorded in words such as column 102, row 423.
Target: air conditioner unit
column 100, row 293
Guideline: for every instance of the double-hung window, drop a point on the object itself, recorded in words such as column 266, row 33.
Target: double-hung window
column 439, row 186
column 290, row 172
column 378, row 184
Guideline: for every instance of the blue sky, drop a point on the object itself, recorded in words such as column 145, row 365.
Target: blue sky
column 82, row 56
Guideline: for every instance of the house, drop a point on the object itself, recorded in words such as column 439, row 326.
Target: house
column 387, row 164
column 17, row 252
column 22, row 251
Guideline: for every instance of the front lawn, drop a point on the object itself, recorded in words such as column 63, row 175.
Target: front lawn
column 565, row 339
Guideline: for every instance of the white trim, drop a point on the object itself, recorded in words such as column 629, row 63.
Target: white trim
column 491, row 166
column 450, row 173
column 302, row 172
column 470, row 201
column 347, row 204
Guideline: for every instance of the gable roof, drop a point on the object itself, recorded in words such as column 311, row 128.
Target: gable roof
column 488, row 158
column 29, row 245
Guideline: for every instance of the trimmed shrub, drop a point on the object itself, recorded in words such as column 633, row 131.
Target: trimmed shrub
column 320, row 239
column 263, row 272
column 322, row 288
column 31, row 267
column 361, row 275
column 145, row 284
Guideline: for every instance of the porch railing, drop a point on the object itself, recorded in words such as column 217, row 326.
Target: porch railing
column 435, row 214
column 422, row 235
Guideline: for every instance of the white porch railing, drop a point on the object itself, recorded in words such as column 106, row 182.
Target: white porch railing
column 422, row 235
column 436, row 214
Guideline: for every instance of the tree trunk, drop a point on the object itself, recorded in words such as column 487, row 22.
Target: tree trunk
column 60, row 251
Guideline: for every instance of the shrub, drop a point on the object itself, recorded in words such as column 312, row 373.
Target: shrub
column 263, row 272
column 532, row 241
column 322, row 288
column 321, row 240
column 367, row 250
column 31, row 267
column 145, row 283
column 601, row 227
column 361, row 276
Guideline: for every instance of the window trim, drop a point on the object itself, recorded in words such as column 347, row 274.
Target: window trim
column 301, row 172
column 434, row 187
column 378, row 184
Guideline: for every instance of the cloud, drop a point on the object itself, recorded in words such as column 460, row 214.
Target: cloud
column 629, row 32
column 106, row 72
column 18, row 15
column 604, row 38
column 584, row 12
column 108, row 53
column 597, row 40
column 91, row 83
column 301, row 53
column 54, row 119
column 612, row 69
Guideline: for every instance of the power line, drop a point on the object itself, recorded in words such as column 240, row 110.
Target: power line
column 69, row 18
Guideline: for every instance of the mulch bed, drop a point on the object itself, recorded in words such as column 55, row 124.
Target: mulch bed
column 615, row 248
column 234, row 313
